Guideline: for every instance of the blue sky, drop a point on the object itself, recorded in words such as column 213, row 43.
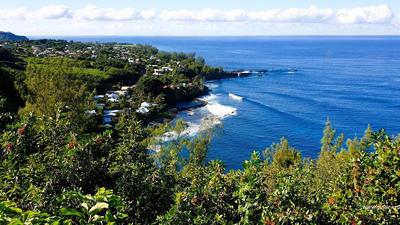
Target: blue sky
column 221, row 4
column 206, row 17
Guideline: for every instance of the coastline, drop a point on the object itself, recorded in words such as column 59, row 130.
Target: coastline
column 236, row 74
column 200, row 100
column 202, row 113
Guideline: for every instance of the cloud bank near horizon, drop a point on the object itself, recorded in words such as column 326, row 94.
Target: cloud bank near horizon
column 379, row 14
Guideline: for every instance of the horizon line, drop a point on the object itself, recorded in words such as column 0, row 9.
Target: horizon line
column 288, row 35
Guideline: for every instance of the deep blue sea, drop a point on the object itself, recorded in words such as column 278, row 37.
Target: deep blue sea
column 355, row 81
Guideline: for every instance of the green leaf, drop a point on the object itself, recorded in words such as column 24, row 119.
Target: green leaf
column 85, row 205
column 13, row 210
column 100, row 205
column 122, row 216
column 71, row 212
column 57, row 222
column 16, row 222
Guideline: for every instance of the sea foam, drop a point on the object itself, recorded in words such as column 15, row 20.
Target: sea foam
column 216, row 109
column 220, row 111
column 211, row 115
column 235, row 97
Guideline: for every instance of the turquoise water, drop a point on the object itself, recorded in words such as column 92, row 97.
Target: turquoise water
column 352, row 80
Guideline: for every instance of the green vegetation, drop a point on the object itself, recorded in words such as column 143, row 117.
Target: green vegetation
column 354, row 185
column 57, row 85
column 58, row 167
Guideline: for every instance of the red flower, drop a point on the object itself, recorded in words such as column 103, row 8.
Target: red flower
column 98, row 141
column 331, row 201
column 9, row 147
column 74, row 158
column 22, row 130
column 269, row 222
column 72, row 145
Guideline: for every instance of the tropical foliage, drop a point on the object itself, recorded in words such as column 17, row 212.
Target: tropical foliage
column 54, row 169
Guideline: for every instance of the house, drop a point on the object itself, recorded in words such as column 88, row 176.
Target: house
column 163, row 70
column 108, row 115
column 166, row 69
column 108, row 125
column 111, row 112
column 143, row 110
column 121, row 93
column 112, row 95
column 97, row 97
column 145, row 104
column 144, row 107
column 125, row 88
column 91, row 112
column 113, row 100
column 157, row 74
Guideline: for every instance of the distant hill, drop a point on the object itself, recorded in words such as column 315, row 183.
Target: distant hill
column 8, row 36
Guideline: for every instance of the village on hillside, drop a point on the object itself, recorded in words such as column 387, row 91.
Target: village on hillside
column 137, row 78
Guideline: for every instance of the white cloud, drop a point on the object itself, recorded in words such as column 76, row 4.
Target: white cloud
column 312, row 14
column 92, row 12
column 374, row 15
column 46, row 12
column 294, row 15
column 381, row 14
column 148, row 14
column 50, row 12
column 12, row 14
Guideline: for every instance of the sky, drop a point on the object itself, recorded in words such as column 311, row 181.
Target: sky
column 200, row 18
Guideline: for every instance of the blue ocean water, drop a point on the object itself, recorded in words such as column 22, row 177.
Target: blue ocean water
column 355, row 81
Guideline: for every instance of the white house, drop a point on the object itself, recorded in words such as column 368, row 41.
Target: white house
column 108, row 125
column 125, row 88
column 144, row 107
column 166, row 69
column 157, row 74
column 143, row 110
column 97, row 97
column 121, row 93
column 112, row 100
column 145, row 104
column 111, row 112
column 112, row 95
column 91, row 112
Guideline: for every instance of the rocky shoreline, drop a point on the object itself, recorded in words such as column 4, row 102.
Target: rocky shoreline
column 238, row 73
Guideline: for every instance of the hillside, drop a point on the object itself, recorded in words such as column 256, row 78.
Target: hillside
column 70, row 154
column 8, row 36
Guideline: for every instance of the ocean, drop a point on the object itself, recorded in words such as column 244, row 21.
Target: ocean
column 353, row 81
